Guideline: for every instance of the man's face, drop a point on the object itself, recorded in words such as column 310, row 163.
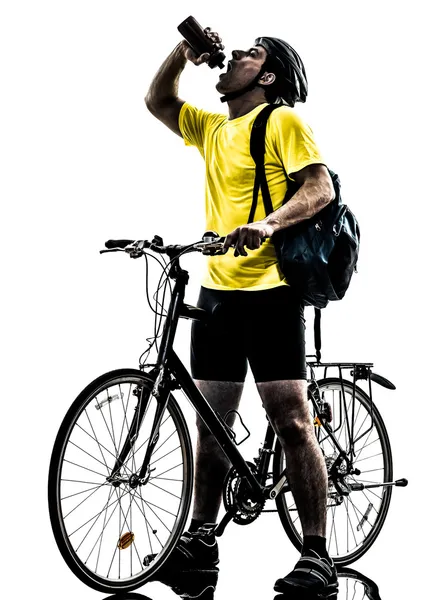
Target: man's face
column 241, row 69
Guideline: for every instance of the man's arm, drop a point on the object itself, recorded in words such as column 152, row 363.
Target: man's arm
column 316, row 191
column 162, row 98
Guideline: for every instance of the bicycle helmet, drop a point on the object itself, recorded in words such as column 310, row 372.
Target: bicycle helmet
column 290, row 85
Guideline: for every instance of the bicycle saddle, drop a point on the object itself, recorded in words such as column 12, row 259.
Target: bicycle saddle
column 195, row 313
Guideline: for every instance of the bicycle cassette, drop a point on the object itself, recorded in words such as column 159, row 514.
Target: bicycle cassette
column 237, row 498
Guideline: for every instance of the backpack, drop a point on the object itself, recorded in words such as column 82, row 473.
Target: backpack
column 317, row 256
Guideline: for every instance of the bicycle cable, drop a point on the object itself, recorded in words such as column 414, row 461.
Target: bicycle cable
column 150, row 340
column 164, row 282
column 167, row 280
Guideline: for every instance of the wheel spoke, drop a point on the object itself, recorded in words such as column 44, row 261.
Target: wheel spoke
column 85, row 468
column 165, row 455
column 163, row 490
column 355, row 437
column 146, row 523
column 112, row 426
column 161, row 445
column 371, row 492
column 102, row 532
column 373, row 470
column 85, row 500
column 99, row 408
column 349, row 521
column 167, row 471
column 91, row 456
column 367, row 457
column 364, row 446
column 95, row 437
column 87, row 482
column 361, row 521
column 83, row 491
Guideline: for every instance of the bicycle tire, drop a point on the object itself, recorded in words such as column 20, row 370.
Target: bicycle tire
column 293, row 533
column 59, row 464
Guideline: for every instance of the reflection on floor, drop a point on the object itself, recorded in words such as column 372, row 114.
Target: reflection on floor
column 202, row 586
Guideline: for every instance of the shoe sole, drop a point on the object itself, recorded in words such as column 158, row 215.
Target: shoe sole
column 168, row 577
column 170, row 564
column 192, row 583
column 307, row 596
column 328, row 593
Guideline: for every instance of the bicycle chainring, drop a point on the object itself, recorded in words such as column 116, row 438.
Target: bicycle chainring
column 237, row 497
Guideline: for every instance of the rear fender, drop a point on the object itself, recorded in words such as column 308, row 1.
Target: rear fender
column 382, row 381
column 362, row 372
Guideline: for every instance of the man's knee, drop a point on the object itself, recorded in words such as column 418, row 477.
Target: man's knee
column 293, row 431
column 286, row 405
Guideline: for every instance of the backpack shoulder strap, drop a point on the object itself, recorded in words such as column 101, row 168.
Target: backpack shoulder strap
column 258, row 150
column 317, row 334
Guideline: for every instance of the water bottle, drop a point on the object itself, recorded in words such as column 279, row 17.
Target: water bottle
column 200, row 43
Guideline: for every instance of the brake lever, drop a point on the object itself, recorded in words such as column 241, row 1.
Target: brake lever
column 212, row 249
column 112, row 250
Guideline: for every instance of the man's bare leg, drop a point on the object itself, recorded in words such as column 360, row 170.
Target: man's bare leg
column 286, row 405
column 211, row 464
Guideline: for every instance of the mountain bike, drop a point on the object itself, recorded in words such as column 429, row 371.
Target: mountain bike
column 121, row 471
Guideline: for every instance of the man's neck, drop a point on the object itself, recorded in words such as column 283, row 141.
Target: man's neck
column 245, row 104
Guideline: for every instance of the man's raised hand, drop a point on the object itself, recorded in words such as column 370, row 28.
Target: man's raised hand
column 198, row 60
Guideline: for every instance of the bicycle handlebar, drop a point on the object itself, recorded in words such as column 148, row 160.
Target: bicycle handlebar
column 211, row 243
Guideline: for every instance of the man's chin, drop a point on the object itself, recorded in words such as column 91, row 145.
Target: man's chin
column 222, row 88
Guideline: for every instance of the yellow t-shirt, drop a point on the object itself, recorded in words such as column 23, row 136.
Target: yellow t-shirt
column 230, row 173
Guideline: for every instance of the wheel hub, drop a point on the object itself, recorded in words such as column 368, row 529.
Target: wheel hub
column 134, row 481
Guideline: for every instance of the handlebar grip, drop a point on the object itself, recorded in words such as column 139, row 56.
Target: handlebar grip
column 117, row 243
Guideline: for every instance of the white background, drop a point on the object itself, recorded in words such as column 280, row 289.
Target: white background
column 83, row 161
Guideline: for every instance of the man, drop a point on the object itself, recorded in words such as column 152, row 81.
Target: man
column 256, row 319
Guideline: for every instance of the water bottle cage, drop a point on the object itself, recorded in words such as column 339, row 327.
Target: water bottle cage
column 231, row 431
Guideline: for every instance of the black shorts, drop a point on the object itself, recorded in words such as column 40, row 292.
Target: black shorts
column 266, row 328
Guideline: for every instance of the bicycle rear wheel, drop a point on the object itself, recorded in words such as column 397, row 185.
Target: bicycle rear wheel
column 354, row 524
column 104, row 530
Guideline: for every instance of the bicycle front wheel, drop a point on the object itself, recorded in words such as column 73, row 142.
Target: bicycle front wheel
column 104, row 530
column 353, row 521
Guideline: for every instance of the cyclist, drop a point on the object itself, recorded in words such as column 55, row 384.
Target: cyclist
column 255, row 317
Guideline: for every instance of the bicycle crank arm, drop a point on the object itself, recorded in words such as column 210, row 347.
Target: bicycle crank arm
column 357, row 487
column 274, row 492
column 224, row 522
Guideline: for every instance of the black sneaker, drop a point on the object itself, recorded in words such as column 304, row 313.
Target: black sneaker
column 312, row 574
column 194, row 551
column 195, row 584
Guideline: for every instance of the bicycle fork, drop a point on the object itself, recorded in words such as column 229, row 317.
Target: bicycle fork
column 160, row 390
